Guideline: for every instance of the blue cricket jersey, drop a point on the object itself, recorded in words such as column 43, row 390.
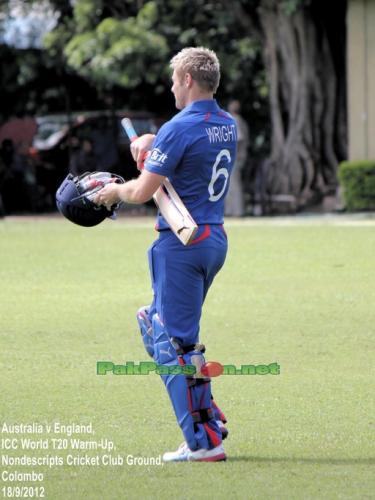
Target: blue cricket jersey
column 196, row 150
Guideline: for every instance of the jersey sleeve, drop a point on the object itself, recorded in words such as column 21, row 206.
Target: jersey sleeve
column 167, row 150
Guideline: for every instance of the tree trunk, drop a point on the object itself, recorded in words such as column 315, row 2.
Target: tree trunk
column 304, row 55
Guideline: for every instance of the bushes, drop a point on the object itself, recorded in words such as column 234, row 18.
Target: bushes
column 358, row 181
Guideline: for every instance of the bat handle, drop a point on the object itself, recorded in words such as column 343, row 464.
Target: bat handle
column 132, row 134
column 129, row 129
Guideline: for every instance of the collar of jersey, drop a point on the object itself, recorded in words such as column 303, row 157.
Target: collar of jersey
column 207, row 105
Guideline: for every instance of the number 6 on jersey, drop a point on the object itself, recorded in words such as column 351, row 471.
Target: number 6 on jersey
column 216, row 173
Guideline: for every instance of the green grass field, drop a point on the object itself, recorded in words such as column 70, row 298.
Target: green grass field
column 300, row 294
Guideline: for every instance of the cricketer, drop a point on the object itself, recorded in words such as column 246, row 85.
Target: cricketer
column 196, row 151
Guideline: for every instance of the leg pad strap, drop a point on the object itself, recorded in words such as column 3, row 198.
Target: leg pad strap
column 202, row 416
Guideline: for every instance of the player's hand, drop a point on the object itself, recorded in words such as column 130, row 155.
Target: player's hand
column 108, row 196
column 140, row 147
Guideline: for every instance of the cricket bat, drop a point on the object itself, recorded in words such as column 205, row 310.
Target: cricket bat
column 168, row 202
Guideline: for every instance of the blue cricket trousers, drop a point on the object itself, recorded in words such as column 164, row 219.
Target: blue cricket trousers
column 181, row 276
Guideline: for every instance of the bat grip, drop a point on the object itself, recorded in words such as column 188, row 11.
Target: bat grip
column 132, row 134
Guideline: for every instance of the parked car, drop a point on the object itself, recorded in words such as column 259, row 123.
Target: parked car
column 59, row 139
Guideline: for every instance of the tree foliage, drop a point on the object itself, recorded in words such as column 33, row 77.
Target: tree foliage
column 119, row 52
column 284, row 59
column 104, row 43
column 118, row 45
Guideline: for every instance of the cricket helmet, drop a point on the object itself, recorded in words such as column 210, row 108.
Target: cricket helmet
column 74, row 198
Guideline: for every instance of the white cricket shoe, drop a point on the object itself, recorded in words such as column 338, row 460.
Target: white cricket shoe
column 184, row 454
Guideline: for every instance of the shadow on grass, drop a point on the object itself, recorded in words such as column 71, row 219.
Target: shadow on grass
column 296, row 460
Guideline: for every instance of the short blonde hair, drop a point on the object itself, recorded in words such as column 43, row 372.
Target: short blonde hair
column 202, row 64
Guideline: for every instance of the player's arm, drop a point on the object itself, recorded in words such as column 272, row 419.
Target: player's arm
column 137, row 190
column 141, row 189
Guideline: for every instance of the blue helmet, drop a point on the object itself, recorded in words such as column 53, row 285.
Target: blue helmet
column 74, row 198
